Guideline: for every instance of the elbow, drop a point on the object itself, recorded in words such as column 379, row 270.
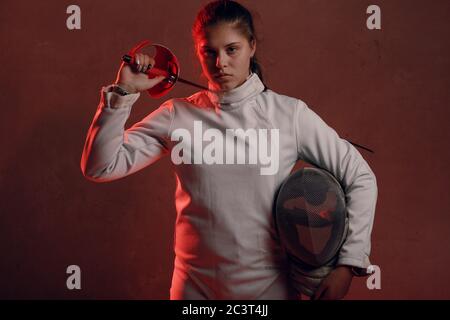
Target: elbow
column 90, row 174
column 375, row 186
column 373, row 177
column 99, row 175
column 97, row 178
column 372, row 181
column 366, row 179
column 92, row 178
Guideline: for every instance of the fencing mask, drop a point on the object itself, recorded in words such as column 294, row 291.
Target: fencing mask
column 312, row 223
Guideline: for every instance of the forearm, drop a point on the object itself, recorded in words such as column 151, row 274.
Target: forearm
column 320, row 145
column 361, row 199
column 106, row 133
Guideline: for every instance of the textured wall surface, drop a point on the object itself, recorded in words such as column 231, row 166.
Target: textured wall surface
column 387, row 89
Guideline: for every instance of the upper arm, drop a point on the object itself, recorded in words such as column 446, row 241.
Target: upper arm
column 320, row 145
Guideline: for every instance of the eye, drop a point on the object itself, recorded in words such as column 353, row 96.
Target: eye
column 232, row 49
column 208, row 53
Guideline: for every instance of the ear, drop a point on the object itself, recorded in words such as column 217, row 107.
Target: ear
column 253, row 47
column 196, row 51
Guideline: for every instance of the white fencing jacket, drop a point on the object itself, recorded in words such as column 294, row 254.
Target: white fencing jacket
column 225, row 242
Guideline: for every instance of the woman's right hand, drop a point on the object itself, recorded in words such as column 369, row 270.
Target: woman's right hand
column 132, row 78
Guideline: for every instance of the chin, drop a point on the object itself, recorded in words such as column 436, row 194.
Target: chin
column 223, row 86
column 229, row 85
column 226, row 87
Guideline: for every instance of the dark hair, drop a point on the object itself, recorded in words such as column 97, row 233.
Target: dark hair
column 229, row 11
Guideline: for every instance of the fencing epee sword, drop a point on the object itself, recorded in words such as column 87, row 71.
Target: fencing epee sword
column 166, row 64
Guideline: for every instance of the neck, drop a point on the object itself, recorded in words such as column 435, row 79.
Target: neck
column 250, row 87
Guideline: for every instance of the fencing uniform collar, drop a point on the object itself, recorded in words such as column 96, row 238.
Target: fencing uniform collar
column 226, row 99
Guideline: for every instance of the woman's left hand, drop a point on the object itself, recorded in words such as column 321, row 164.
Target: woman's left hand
column 335, row 286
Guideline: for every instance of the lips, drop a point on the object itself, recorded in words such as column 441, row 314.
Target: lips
column 221, row 75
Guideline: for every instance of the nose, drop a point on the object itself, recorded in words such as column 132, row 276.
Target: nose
column 221, row 60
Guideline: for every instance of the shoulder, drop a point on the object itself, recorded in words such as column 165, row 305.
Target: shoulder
column 196, row 100
column 270, row 99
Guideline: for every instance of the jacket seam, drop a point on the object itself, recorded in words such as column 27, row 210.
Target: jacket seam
column 262, row 114
column 153, row 143
column 172, row 116
column 297, row 122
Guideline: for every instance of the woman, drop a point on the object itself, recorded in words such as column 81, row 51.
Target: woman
column 226, row 245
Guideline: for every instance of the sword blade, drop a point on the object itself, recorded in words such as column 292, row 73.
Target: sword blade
column 192, row 84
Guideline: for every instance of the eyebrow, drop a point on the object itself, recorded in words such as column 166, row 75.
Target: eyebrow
column 232, row 43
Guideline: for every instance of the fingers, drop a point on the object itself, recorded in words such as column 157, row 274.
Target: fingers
column 138, row 62
column 324, row 295
column 319, row 293
column 156, row 80
column 143, row 62
column 149, row 63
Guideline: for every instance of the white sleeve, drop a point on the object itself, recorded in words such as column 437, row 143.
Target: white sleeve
column 320, row 145
column 111, row 152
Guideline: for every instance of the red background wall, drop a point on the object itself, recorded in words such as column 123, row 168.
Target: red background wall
column 386, row 89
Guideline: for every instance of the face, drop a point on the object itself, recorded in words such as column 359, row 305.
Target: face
column 223, row 50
